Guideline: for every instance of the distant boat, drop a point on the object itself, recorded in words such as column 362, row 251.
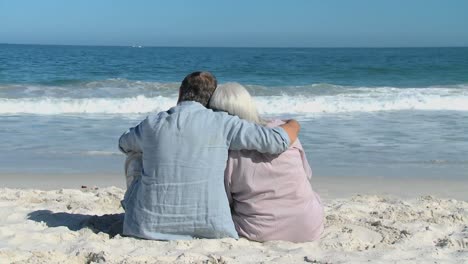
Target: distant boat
column 137, row 46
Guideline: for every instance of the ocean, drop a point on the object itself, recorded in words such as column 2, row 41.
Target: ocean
column 378, row 112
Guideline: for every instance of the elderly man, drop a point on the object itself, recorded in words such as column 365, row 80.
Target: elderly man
column 180, row 193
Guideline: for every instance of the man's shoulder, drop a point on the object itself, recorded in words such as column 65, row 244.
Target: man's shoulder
column 156, row 117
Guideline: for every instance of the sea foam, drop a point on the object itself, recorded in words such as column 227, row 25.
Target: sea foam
column 358, row 100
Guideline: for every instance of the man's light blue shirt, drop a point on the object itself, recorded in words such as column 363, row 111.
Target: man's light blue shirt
column 180, row 194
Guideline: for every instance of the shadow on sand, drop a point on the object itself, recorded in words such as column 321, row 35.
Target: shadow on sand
column 110, row 224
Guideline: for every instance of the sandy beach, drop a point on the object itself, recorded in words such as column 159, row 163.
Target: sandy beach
column 83, row 225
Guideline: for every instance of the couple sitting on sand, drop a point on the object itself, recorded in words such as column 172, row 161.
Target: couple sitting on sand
column 210, row 167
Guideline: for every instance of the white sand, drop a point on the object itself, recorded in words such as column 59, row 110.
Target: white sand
column 60, row 226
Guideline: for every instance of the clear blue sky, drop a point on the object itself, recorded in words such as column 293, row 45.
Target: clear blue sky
column 274, row 23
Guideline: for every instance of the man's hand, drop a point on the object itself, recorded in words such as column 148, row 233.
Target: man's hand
column 291, row 127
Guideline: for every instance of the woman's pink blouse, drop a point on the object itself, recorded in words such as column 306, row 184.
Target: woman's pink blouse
column 271, row 196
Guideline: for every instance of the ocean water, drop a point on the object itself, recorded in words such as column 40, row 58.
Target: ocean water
column 364, row 112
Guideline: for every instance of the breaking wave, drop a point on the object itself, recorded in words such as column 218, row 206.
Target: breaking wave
column 352, row 100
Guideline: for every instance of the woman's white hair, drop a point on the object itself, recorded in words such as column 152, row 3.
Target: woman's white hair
column 236, row 100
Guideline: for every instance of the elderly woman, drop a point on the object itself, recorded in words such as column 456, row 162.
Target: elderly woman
column 271, row 197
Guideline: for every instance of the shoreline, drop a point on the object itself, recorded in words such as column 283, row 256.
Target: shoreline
column 328, row 187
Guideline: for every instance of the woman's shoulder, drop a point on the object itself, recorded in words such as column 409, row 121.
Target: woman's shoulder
column 278, row 122
column 274, row 123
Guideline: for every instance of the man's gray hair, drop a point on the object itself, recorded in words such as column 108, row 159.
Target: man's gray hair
column 236, row 100
column 198, row 87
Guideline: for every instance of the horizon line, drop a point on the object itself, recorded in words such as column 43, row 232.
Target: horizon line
column 246, row 47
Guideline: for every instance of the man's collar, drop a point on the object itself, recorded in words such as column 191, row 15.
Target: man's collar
column 189, row 104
